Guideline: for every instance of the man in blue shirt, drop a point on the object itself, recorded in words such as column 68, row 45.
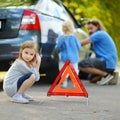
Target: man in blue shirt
column 106, row 54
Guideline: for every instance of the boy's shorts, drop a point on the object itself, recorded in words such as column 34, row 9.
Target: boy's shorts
column 94, row 63
column 22, row 79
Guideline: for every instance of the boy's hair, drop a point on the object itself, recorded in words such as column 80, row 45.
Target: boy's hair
column 28, row 44
column 68, row 27
column 96, row 23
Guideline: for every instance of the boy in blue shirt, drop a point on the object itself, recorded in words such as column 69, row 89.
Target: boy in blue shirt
column 106, row 54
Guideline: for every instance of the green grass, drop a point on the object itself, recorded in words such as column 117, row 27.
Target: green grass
column 119, row 63
column 2, row 75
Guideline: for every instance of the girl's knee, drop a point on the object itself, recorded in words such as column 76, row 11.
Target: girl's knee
column 32, row 77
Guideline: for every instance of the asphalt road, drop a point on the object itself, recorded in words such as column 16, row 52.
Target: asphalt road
column 103, row 104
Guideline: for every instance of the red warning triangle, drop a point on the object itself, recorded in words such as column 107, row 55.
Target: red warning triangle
column 78, row 90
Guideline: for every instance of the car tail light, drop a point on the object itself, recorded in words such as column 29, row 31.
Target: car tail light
column 30, row 21
column 15, row 54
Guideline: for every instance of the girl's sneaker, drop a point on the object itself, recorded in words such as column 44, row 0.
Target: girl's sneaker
column 27, row 97
column 18, row 98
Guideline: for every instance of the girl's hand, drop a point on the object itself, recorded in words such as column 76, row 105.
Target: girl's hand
column 34, row 62
column 38, row 58
column 38, row 61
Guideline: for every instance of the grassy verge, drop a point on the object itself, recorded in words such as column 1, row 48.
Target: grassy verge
column 2, row 75
column 119, row 63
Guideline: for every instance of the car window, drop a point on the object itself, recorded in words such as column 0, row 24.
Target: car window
column 44, row 6
column 52, row 7
column 60, row 12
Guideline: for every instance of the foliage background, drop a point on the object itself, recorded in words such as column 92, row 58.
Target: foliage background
column 108, row 11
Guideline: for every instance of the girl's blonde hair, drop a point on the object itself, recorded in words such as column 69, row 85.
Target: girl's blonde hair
column 68, row 27
column 28, row 44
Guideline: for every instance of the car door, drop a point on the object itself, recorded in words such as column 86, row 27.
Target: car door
column 51, row 22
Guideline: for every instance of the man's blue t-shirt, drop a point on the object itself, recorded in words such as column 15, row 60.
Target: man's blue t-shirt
column 105, row 48
column 69, row 47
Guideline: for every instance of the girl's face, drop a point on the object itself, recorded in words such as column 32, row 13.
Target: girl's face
column 28, row 54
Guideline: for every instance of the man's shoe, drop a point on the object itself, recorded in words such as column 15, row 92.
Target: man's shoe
column 105, row 80
column 114, row 81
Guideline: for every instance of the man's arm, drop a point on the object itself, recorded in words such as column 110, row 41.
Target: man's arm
column 85, row 41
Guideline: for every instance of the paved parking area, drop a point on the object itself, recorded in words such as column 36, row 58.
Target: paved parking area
column 104, row 104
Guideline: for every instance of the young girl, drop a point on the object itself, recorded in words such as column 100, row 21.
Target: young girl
column 69, row 47
column 23, row 73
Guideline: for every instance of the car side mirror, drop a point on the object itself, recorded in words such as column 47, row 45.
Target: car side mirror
column 83, row 21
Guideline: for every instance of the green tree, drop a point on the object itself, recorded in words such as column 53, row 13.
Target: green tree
column 6, row 3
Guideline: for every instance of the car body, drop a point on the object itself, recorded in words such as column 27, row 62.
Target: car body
column 41, row 23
